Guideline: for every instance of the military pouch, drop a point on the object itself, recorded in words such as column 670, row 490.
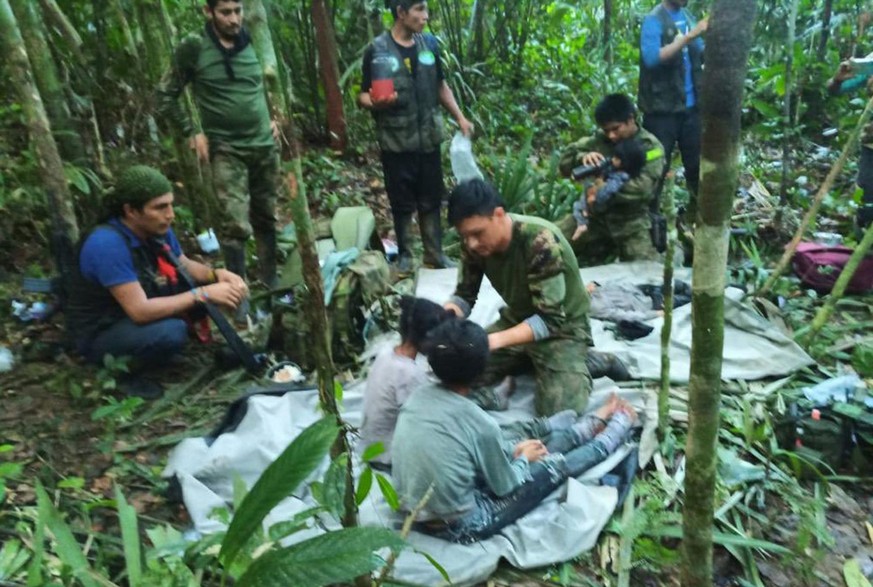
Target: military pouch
column 658, row 231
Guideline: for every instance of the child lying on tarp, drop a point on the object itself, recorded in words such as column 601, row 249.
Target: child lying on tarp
column 446, row 442
column 395, row 373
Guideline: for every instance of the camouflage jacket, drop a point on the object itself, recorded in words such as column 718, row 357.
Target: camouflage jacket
column 637, row 191
column 537, row 275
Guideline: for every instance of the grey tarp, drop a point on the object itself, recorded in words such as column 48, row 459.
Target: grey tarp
column 753, row 348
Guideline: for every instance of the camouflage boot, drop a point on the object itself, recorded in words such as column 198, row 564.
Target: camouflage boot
column 266, row 244
column 606, row 365
column 235, row 261
column 402, row 228
column 432, row 239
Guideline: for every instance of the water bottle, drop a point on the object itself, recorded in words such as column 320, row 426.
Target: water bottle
column 382, row 76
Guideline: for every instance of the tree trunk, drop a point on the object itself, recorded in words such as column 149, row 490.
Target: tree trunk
column 668, row 209
column 787, row 129
column 51, row 167
column 52, row 13
column 477, row 44
column 316, row 313
column 122, row 23
column 826, row 14
column 262, row 39
column 51, row 90
column 607, row 31
column 325, row 39
column 157, row 50
column 727, row 49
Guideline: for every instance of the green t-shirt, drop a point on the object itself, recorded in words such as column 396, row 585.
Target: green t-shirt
column 537, row 275
column 445, row 440
column 232, row 111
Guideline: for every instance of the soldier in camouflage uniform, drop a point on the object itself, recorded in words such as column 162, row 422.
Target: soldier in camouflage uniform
column 846, row 80
column 544, row 325
column 624, row 228
column 237, row 137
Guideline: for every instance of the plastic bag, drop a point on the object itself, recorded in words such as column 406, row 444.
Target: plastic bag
column 463, row 163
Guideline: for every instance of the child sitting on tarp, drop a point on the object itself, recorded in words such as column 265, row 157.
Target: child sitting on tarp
column 628, row 160
column 395, row 373
column 446, row 442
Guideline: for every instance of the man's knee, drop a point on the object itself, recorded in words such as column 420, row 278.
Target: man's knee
column 561, row 390
column 171, row 335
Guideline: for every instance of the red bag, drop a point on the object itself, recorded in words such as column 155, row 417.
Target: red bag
column 818, row 266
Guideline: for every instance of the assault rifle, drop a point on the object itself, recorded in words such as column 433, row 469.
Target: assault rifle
column 253, row 363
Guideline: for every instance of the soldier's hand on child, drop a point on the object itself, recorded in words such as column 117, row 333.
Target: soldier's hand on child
column 580, row 230
column 533, row 450
column 593, row 158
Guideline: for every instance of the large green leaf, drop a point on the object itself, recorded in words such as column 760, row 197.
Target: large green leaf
column 129, row 538
column 334, row 557
column 66, row 546
column 295, row 464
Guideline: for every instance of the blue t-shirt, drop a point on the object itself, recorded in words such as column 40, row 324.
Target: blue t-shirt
column 650, row 46
column 105, row 256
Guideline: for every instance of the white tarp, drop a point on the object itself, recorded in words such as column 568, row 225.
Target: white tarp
column 565, row 525
column 753, row 347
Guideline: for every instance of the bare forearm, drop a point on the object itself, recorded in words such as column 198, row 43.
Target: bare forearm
column 447, row 99
column 670, row 51
column 201, row 272
column 519, row 334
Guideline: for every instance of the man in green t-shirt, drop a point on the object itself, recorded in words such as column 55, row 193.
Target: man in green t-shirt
column 236, row 136
column 544, row 325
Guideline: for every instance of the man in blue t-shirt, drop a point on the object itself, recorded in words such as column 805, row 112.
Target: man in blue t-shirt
column 671, row 65
column 125, row 297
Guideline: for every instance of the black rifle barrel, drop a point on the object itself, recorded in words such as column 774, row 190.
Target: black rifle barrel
column 237, row 344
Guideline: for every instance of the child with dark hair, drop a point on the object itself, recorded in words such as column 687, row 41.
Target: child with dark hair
column 628, row 160
column 446, row 442
column 395, row 373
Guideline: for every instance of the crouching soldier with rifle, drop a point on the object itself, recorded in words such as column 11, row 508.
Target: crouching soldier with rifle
column 127, row 297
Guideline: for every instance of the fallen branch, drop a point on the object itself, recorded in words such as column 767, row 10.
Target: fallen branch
column 404, row 532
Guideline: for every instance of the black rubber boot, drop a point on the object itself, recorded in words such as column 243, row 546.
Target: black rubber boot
column 235, row 261
column 266, row 244
column 606, row 365
column 432, row 239
column 402, row 229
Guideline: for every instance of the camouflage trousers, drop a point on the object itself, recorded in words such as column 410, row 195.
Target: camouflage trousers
column 245, row 183
column 612, row 237
column 558, row 366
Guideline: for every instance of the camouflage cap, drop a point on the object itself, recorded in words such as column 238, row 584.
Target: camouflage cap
column 139, row 184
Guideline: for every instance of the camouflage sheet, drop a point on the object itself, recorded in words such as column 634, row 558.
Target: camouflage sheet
column 754, row 348
column 565, row 525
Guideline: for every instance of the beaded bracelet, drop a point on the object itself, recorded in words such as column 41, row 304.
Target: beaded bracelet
column 201, row 296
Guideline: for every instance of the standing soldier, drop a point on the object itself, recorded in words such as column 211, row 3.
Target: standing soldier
column 237, row 136
column 409, row 126
column 671, row 67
